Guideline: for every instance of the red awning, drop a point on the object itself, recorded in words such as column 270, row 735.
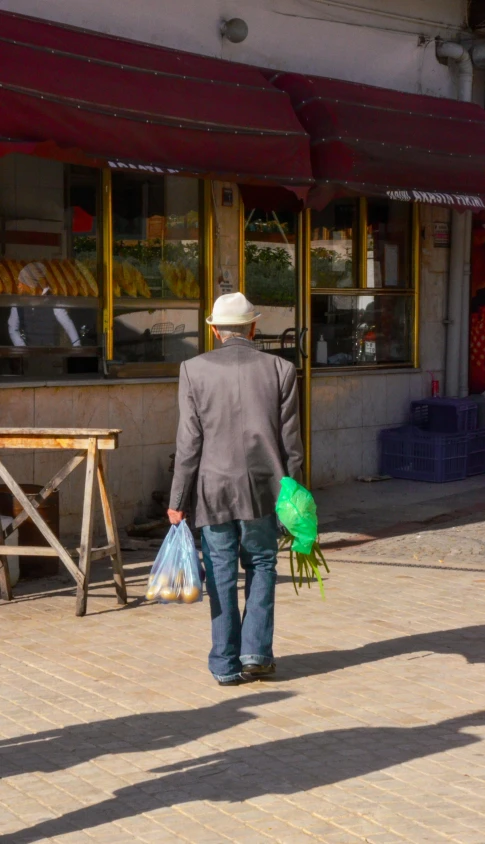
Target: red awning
column 382, row 142
column 85, row 95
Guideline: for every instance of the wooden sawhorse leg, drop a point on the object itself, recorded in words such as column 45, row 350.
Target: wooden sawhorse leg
column 56, row 549
column 5, row 585
column 96, row 469
column 54, row 483
column 86, row 545
column 111, row 529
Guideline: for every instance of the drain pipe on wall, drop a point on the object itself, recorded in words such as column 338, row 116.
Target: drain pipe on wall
column 456, row 362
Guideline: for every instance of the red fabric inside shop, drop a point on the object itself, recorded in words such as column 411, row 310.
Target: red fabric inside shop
column 477, row 306
column 121, row 101
column 375, row 141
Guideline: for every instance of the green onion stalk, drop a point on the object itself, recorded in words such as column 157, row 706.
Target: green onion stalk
column 305, row 566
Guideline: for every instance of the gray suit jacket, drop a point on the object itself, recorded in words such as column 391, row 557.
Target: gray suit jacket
column 238, row 433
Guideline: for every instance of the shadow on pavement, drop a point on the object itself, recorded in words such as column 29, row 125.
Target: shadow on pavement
column 56, row 749
column 468, row 642
column 100, row 586
column 287, row 766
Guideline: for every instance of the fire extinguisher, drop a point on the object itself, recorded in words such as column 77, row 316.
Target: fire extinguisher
column 435, row 386
column 370, row 345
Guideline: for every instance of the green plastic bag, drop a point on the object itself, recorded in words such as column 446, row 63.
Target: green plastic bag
column 297, row 512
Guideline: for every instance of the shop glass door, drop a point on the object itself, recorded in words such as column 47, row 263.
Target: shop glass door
column 271, row 279
column 275, row 281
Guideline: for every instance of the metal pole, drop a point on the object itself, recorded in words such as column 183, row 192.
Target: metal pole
column 306, row 322
column 416, row 279
column 455, row 297
column 107, row 258
column 242, row 244
column 465, row 310
column 208, row 265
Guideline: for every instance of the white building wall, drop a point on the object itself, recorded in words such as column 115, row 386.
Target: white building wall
column 373, row 41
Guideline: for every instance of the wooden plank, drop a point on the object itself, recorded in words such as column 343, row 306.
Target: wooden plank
column 111, row 530
column 96, row 553
column 104, row 551
column 39, row 522
column 54, row 443
column 5, row 584
column 49, row 488
column 145, row 370
column 28, row 551
column 87, row 527
column 60, row 432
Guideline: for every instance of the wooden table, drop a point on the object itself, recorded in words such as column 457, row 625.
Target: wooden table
column 91, row 445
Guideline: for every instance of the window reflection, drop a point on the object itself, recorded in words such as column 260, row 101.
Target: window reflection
column 49, row 294
column 156, row 237
column 161, row 335
column 271, row 278
column 333, row 245
column 33, row 327
column 155, row 265
column 388, row 243
column 351, row 330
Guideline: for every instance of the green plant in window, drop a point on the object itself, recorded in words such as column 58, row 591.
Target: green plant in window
column 268, row 226
column 186, row 253
column 270, row 276
column 143, row 251
column 83, row 244
column 330, row 268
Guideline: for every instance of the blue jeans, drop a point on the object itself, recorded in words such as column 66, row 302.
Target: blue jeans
column 237, row 642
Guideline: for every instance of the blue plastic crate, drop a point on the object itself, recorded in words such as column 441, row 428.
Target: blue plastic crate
column 423, row 456
column 445, row 416
column 475, row 464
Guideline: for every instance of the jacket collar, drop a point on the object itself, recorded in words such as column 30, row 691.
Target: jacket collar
column 238, row 341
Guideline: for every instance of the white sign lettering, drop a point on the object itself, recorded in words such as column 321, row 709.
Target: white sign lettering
column 146, row 168
column 437, row 198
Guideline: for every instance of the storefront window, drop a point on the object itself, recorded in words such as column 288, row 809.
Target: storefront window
column 363, row 329
column 156, row 270
column 363, row 297
column 334, row 233
column 271, row 278
column 49, row 291
column 388, row 244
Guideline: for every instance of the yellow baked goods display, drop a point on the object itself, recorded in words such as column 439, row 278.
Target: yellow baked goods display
column 129, row 280
column 61, row 277
column 7, row 282
column 180, row 280
column 68, row 277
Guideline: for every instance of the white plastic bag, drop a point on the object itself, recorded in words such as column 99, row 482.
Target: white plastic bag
column 176, row 573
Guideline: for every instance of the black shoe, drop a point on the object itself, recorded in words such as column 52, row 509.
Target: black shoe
column 258, row 671
column 238, row 681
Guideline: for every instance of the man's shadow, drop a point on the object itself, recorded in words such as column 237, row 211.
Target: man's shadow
column 279, row 767
column 468, row 642
column 56, row 749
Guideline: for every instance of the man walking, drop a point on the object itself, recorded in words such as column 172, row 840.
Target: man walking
column 238, row 435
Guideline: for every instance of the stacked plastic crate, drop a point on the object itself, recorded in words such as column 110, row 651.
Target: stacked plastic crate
column 441, row 443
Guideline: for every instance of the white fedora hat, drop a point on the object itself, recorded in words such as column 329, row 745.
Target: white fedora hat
column 233, row 309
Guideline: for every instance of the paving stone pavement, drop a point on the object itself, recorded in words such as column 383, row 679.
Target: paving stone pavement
column 112, row 730
column 407, row 522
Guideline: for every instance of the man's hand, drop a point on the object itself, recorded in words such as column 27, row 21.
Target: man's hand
column 175, row 516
